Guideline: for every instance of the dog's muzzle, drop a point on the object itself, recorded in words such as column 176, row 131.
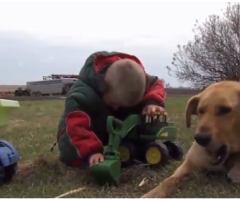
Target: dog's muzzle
column 221, row 155
column 203, row 139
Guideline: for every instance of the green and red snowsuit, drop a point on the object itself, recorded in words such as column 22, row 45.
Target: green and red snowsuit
column 82, row 127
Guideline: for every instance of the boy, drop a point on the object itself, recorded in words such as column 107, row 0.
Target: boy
column 110, row 83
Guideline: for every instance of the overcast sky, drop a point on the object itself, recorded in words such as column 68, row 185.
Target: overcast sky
column 149, row 30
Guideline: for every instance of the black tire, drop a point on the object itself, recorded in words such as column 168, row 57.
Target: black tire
column 16, row 93
column 2, row 175
column 38, row 94
column 163, row 152
column 175, row 150
column 25, row 93
column 129, row 160
column 66, row 90
column 10, row 172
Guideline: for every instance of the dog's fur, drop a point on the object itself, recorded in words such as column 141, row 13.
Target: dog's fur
column 218, row 112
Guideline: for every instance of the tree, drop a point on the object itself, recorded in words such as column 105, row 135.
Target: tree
column 214, row 53
column 165, row 84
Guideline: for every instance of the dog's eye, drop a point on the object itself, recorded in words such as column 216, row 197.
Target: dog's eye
column 201, row 111
column 222, row 110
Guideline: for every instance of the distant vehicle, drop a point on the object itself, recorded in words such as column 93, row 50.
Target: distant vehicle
column 21, row 92
column 50, row 85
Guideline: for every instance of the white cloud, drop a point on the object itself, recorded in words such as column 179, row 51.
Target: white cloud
column 128, row 26
column 91, row 22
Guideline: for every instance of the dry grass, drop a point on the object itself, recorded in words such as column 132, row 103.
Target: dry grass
column 32, row 130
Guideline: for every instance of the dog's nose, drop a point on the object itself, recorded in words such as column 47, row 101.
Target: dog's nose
column 202, row 139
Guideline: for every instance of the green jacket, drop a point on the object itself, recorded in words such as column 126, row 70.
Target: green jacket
column 82, row 127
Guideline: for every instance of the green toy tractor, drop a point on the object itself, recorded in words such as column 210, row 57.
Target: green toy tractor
column 131, row 140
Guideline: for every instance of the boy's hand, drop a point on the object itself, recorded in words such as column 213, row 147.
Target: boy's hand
column 152, row 111
column 95, row 159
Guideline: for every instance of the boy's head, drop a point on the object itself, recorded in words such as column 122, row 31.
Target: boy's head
column 126, row 83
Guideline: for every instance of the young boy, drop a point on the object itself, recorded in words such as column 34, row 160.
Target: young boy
column 110, row 83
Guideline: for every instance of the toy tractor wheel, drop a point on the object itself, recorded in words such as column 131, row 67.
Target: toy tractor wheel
column 127, row 154
column 10, row 171
column 175, row 150
column 156, row 154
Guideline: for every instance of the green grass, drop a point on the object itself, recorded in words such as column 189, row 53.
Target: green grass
column 32, row 130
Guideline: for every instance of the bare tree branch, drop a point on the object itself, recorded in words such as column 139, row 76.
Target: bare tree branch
column 214, row 54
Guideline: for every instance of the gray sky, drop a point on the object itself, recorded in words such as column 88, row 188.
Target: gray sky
column 151, row 31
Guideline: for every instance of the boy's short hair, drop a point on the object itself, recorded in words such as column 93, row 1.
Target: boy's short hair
column 126, row 82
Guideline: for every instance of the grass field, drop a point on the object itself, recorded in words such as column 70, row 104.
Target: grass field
column 32, row 130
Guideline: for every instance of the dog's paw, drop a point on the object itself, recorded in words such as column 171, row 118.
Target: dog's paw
column 234, row 176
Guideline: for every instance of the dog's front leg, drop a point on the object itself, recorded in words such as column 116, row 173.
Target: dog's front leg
column 196, row 160
column 234, row 172
column 167, row 186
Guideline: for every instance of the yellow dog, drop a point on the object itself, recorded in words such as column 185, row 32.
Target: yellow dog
column 217, row 138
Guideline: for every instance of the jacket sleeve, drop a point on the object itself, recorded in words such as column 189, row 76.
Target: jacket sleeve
column 155, row 94
column 75, row 139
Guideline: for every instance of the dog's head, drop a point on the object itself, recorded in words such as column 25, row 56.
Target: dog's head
column 218, row 112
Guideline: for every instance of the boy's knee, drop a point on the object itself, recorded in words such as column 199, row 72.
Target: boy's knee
column 68, row 153
column 64, row 161
column 74, row 163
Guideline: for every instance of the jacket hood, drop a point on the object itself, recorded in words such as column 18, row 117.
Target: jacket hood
column 96, row 65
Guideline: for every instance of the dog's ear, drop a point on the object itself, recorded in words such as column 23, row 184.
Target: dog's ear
column 191, row 108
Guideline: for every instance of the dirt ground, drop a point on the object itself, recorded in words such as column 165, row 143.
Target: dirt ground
column 32, row 130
